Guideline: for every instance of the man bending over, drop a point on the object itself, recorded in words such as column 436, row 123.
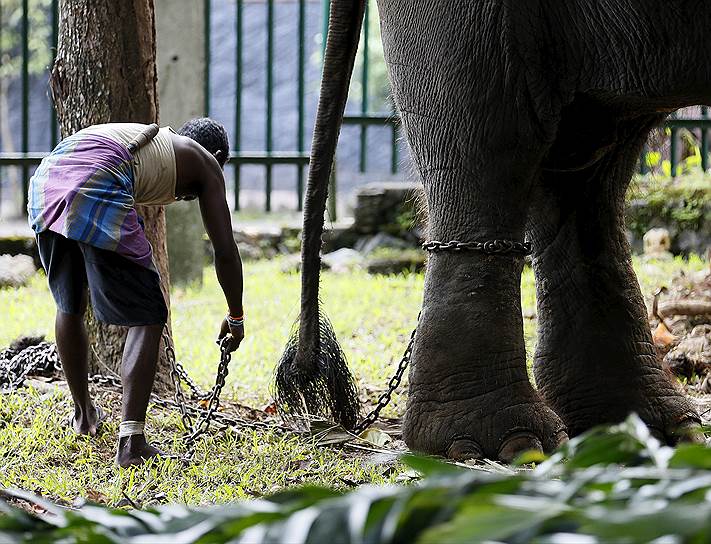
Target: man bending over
column 92, row 246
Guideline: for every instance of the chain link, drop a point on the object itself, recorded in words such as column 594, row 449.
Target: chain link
column 16, row 365
column 175, row 378
column 194, row 430
column 490, row 247
column 393, row 384
column 203, row 423
column 20, row 364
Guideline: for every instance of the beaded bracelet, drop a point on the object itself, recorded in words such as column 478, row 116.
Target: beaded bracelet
column 235, row 321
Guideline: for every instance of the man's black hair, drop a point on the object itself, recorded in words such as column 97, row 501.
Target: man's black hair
column 208, row 133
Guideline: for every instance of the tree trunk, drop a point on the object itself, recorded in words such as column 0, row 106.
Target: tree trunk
column 104, row 72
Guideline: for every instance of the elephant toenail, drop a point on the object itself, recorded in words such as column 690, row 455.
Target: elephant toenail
column 689, row 431
column 463, row 449
column 559, row 438
column 516, row 444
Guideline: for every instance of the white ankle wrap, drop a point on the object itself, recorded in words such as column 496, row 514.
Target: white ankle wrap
column 129, row 428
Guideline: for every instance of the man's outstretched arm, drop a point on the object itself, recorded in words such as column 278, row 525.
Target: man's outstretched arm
column 228, row 265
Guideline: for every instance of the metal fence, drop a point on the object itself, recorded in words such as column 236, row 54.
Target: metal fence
column 359, row 114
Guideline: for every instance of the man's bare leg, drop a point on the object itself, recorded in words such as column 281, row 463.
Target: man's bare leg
column 138, row 370
column 73, row 347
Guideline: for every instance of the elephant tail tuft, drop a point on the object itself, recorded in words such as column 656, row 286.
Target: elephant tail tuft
column 317, row 383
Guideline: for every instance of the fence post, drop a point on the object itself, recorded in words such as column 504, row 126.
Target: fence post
column 54, row 128
column 643, row 169
column 300, row 92
column 673, row 150
column 181, row 58
column 1, row 147
column 207, row 8
column 239, row 28
column 364, row 91
column 270, row 100
column 25, row 99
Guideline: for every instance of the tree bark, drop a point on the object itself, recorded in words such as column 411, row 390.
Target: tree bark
column 105, row 72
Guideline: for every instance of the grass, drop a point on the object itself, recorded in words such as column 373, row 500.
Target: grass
column 373, row 317
column 614, row 484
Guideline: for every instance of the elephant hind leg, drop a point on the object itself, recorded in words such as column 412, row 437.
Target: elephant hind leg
column 595, row 361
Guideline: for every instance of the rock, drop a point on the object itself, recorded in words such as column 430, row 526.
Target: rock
column 693, row 354
column 396, row 262
column 369, row 244
column 342, row 260
column 259, row 241
column 250, row 252
column 18, row 243
column 691, row 241
column 338, row 235
column 657, row 243
column 291, row 264
column 261, row 235
column 386, row 206
column 16, row 270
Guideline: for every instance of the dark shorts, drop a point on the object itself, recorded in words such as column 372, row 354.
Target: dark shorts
column 122, row 292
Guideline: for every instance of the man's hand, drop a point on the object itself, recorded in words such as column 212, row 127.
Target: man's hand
column 236, row 333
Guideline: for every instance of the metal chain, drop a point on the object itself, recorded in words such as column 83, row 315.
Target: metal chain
column 16, row 365
column 393, row 384
column 175, row 378
column 197, row 392
column 490, row 247
column 203, row 424
column 194, row 430
column 223, row 418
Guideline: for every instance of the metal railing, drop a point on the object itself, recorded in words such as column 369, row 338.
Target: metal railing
column 269, row 156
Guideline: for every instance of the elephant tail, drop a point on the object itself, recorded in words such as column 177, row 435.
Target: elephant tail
column 312, row 377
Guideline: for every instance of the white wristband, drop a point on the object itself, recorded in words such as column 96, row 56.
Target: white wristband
column 129, row 428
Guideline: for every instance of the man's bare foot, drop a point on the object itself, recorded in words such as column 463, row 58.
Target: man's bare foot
column 135, row 450
column 88, row 421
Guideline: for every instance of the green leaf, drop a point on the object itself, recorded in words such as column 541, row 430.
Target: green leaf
column 691, row 456
column 498, row 519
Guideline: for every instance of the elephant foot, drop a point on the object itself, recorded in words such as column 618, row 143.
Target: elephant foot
column 654, row 397
column 499, row 427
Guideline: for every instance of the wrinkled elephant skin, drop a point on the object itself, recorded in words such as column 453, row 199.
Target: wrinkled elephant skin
column 525, row 120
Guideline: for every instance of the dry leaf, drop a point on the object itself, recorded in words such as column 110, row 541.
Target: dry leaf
column 375, row 436
column 662, row 337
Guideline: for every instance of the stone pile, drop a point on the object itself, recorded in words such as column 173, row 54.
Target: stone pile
column 16, row 270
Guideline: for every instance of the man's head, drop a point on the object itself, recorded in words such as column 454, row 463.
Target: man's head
column 210, row 134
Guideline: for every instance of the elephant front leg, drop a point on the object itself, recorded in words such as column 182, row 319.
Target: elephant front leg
column 595, row 361
column 470, row 395
column 477, row 137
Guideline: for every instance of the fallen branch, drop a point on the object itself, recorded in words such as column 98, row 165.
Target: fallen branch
column 685, row 307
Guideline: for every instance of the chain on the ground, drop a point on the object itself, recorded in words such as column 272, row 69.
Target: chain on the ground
column 16, row 365
column 393, row 384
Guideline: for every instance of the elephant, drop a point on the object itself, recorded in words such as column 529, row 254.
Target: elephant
column 525, row 121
